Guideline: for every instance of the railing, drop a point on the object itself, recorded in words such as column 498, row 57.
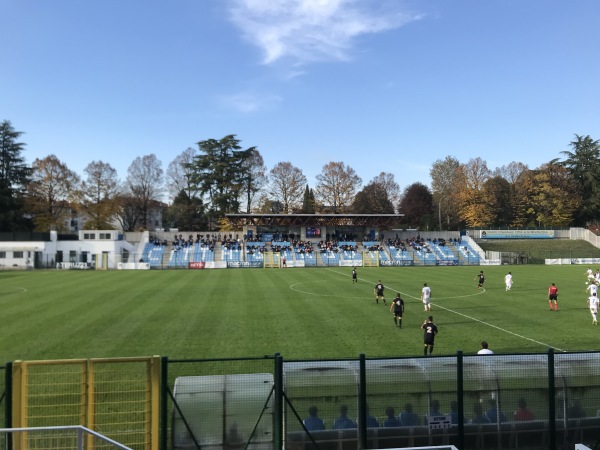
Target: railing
column 66, row 437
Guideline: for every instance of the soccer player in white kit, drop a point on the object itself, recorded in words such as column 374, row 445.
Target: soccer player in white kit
column 592, row 288
column 593, row 304
column 508, row 281
column 590, row 274
column 425, row 297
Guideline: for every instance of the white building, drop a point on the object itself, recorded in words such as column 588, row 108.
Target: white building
column 89, row 249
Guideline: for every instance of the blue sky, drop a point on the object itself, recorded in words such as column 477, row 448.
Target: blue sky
column 383, row 85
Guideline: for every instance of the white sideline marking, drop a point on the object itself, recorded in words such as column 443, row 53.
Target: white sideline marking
column 17, row 290
column 469, row 317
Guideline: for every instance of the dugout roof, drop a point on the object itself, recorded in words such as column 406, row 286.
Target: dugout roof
column 315, row 220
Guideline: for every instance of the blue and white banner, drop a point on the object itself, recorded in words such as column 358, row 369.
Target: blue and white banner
column 516, row 234
column 396, row 263
column 585, row 261
column 243, row 264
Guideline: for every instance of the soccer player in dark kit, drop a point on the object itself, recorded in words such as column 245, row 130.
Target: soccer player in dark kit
column 397, row 308
column 481, row 279
column 354, row 276
column 429, row 336
column 378, row 291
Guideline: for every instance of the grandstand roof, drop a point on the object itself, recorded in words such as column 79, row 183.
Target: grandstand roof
column 313, row 220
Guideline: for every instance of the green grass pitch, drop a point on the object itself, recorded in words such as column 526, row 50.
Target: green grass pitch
column 300, row 313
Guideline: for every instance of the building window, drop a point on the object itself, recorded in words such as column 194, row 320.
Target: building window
column 17, row 255
column 2, row 255
column 105, row 236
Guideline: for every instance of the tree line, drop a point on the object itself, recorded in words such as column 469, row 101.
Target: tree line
column 219, row 177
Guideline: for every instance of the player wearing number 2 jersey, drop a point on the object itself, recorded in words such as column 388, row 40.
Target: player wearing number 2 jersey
column 430, row 330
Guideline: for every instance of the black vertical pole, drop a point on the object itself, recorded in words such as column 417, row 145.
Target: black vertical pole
column 8, row 401
column 164, row 395
column 460, row 390
column 278, row 404
column 551, row 401
column 362, row 403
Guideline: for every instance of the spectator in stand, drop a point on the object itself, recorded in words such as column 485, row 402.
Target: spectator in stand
column 523, row 412
column 434, row 410
column 372, row 421
column 408, row 418
column 313, row 422
column 493, row 415
column 478, row 416
column 391, row 420
column 343, row 421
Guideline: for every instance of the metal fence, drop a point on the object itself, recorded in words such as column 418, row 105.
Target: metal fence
column 533, row 401
column 472, row 402
column 63, row 438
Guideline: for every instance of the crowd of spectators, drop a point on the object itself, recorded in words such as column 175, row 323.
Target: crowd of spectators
column 303, row 246
column 418, row 243
column 328, row 246
column 204, row 240
column 230, row 242
column 157, row 241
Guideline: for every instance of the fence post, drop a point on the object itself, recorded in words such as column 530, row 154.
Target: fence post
column 460, row 398
column 8, row 397
column 278, row 403
column 164, row 396
column 8, row 390
column 362, row 403
column 551, row 401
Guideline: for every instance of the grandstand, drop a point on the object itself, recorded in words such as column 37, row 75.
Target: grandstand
column 303, row 240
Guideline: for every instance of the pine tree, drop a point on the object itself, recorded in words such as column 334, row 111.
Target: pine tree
column 14, row 177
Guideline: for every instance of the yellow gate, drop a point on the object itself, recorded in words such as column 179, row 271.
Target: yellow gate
column 117, row 397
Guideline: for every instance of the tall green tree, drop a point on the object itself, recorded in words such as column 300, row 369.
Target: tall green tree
column 373, row 199
column 14, row 177
column 186, row 213
column 583, row 161
column 498, row 194
column 417, row 206
column 308, row 203
column 392, row 189
column 220, row 171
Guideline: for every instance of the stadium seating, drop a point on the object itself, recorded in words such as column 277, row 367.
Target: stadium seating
column 231, row 255
column 202, row 253
column 467, row 253
column 330, row 258
column 153, row 254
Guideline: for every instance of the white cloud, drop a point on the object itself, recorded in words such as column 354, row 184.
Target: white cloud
column 250, row 102
column 313, row 30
